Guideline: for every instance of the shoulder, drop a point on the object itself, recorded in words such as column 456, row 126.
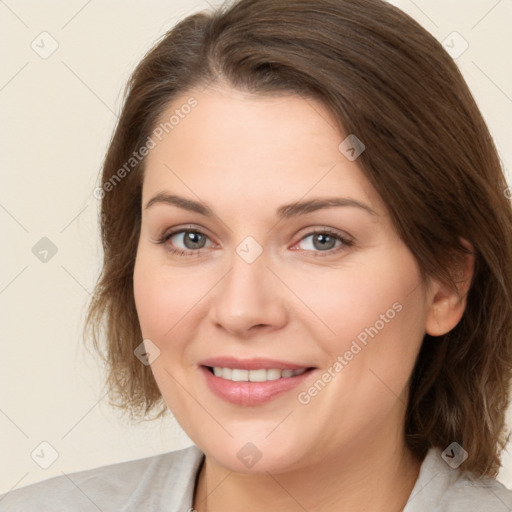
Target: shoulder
column 442, row 488
column 143, row 484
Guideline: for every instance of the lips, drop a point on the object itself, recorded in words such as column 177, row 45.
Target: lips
column 280, row 377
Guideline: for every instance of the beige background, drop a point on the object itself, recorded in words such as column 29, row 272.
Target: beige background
column 58, row 114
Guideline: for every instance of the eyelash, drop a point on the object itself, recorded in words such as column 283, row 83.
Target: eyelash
column 345, row 243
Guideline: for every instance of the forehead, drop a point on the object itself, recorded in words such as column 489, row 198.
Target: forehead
column 236, row 144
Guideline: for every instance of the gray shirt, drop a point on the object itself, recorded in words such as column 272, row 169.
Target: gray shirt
column 166, row 482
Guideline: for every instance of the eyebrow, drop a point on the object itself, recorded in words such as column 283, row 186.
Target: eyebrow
column 284, row 212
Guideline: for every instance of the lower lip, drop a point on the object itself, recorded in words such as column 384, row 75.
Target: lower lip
column 251, row 393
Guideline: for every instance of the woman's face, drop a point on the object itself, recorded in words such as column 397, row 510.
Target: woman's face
column 264, row 247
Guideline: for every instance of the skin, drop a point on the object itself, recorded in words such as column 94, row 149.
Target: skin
column 244, row 156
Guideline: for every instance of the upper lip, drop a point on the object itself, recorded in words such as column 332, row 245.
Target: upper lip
column 254, row 363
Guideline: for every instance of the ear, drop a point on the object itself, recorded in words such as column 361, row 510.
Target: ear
column 446, row 304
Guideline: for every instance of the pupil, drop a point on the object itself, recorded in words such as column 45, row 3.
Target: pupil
column 193, row 240
column 324, row 241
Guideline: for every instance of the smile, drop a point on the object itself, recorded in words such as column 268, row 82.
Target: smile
column 260, row 375
column 244, row 387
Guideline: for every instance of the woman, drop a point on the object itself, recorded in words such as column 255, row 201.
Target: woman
column 307, row 245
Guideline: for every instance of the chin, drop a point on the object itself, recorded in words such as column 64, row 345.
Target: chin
column 254, row 457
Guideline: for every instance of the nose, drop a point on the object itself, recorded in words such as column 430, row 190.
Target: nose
column 249, row 299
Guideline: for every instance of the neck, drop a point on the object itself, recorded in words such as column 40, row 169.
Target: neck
column 376, row 475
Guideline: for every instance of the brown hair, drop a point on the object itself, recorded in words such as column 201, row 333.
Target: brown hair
column 428, row 154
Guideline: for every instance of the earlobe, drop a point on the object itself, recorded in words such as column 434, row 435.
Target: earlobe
column 447, row 305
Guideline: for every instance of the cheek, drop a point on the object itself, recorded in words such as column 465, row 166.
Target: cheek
column 162, row 297
column 378, row 317
column 371, row 313
column 377, row 314
column 149, row 292
column 163, row 300
column 364, row 298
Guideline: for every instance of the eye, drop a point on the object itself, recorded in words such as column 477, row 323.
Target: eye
column 184, row 241
column 324, row 241
column 188, row 242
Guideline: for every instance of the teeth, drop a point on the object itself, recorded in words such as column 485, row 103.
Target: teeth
column 273, row 374
column 257, row 375
column 262, row 375
column 239, row 375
